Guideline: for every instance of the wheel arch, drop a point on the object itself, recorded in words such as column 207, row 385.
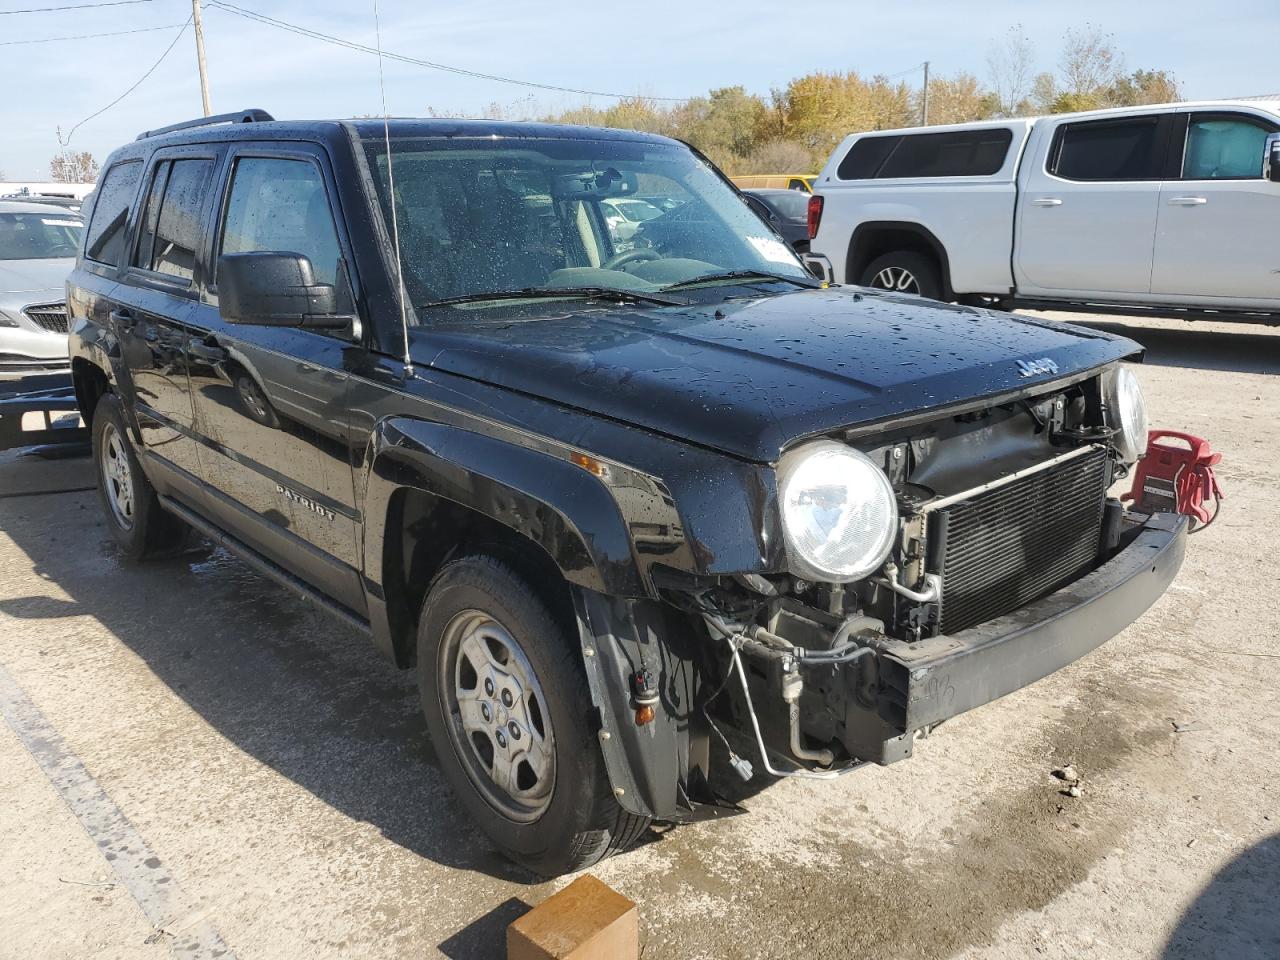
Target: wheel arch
column 90, row 382
column 433, row 491
column 874, row 238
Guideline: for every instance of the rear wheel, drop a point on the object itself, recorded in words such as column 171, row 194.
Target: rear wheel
column 141, row 527
column 504, row 694
column 904, row 271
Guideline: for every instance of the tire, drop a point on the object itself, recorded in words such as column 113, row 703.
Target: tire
column 561, row 814
column 142, row 528
column 917, row 271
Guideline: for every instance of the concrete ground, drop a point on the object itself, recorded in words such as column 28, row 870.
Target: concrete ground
column 263, row 783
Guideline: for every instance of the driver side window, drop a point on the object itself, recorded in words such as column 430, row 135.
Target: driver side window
column 280, row 204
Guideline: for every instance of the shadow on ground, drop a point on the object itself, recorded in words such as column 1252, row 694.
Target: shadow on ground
column 285, row 683
column 1235, row 917
column 1199, row 347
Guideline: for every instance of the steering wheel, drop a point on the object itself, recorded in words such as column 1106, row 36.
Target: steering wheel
column 630, row 256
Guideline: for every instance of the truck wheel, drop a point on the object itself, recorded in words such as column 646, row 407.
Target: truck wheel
column 504, row 693
column 141, row 527
column 904, row 271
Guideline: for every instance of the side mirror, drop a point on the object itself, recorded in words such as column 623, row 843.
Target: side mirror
column 275, row 289
column 1271, row 162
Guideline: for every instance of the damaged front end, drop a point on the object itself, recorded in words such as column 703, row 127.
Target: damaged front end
column 1003, row 559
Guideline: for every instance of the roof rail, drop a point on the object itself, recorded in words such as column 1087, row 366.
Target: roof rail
column 252, row 115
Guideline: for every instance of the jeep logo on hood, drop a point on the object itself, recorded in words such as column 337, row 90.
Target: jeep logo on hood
column 1029, row 368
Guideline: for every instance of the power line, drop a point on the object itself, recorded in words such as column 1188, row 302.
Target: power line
column 461, row 71
column 89, row 36
column 152, row 69
column 75, row 6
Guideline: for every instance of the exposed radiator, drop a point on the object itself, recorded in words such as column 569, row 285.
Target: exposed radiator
column 1004, row 547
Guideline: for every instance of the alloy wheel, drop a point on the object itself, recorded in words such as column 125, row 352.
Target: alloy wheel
column 896, row 278
column 117, row 477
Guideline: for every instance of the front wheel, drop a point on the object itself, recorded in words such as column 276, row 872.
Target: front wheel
column 505, row 697
column 904, row 271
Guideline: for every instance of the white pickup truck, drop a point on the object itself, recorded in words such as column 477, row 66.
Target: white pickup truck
column 1171, row 209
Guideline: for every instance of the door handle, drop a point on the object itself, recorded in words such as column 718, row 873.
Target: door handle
column 123, row 320
column 1047, row 202
column 209, row 352
column 1188, row 201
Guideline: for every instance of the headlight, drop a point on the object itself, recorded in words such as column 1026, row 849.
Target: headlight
column 1129, row 414
column 839, row 515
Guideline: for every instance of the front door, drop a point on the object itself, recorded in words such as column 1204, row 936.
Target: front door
column 1087, row 214
column 270, row 402
column 1215, row 239
column 153, row 305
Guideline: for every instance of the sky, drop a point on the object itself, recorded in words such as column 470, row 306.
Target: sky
column 656, row 48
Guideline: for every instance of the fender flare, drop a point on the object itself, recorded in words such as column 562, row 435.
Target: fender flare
column 863, row 230
column 554, row 503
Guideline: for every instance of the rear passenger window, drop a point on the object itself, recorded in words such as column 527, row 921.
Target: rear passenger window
column 958, row 153
column 104, row 241
column 1108, row 150
column 280, row 205
column 171, row 226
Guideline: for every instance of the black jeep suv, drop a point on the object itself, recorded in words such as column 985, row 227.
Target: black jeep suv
column 619, row 501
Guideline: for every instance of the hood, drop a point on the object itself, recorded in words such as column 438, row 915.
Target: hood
column 34, row 281
column 750, row 376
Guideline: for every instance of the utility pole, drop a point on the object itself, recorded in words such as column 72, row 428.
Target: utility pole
column 924, row 122
column 204, row 76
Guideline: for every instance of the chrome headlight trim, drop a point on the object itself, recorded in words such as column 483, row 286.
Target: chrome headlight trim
column 839, row 513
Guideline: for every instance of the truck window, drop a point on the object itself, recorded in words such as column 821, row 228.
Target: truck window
column 1125, row 149
column 865, row 157
column 280, row 204
column 105, row 238
column 172, row 222
column 958, row 153
column 1224, row 148
column 963, row 153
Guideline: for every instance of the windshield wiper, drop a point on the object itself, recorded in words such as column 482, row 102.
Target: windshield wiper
column 741, row 275
column 546, row 293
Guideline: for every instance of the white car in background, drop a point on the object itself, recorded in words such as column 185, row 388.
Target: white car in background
column 38, row 245
column 624, row 216
column 1168, row 209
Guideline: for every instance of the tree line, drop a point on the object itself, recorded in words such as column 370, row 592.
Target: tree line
column 794, row 128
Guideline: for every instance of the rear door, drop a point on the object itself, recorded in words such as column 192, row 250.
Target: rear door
column 1087, row 205
column 154, row 304
column 1215, row 237
column 270, row 402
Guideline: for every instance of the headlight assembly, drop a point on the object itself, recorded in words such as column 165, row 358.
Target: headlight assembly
column 6, row 320
column 839, row 514
column 1128, row 414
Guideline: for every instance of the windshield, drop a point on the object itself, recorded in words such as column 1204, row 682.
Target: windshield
column 39, row 236
column 492, row 216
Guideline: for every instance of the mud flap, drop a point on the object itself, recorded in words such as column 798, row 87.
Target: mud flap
column 648, row 765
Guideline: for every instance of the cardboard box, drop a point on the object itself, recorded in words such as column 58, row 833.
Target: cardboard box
column 587, row 920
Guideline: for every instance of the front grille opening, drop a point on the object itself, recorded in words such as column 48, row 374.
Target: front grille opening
column 1007, row 547
column 50, row 316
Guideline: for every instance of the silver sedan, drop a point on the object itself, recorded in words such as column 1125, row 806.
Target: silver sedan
column 38, row 245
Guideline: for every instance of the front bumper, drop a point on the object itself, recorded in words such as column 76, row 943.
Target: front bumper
column 31, row 350
column 923, row 683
